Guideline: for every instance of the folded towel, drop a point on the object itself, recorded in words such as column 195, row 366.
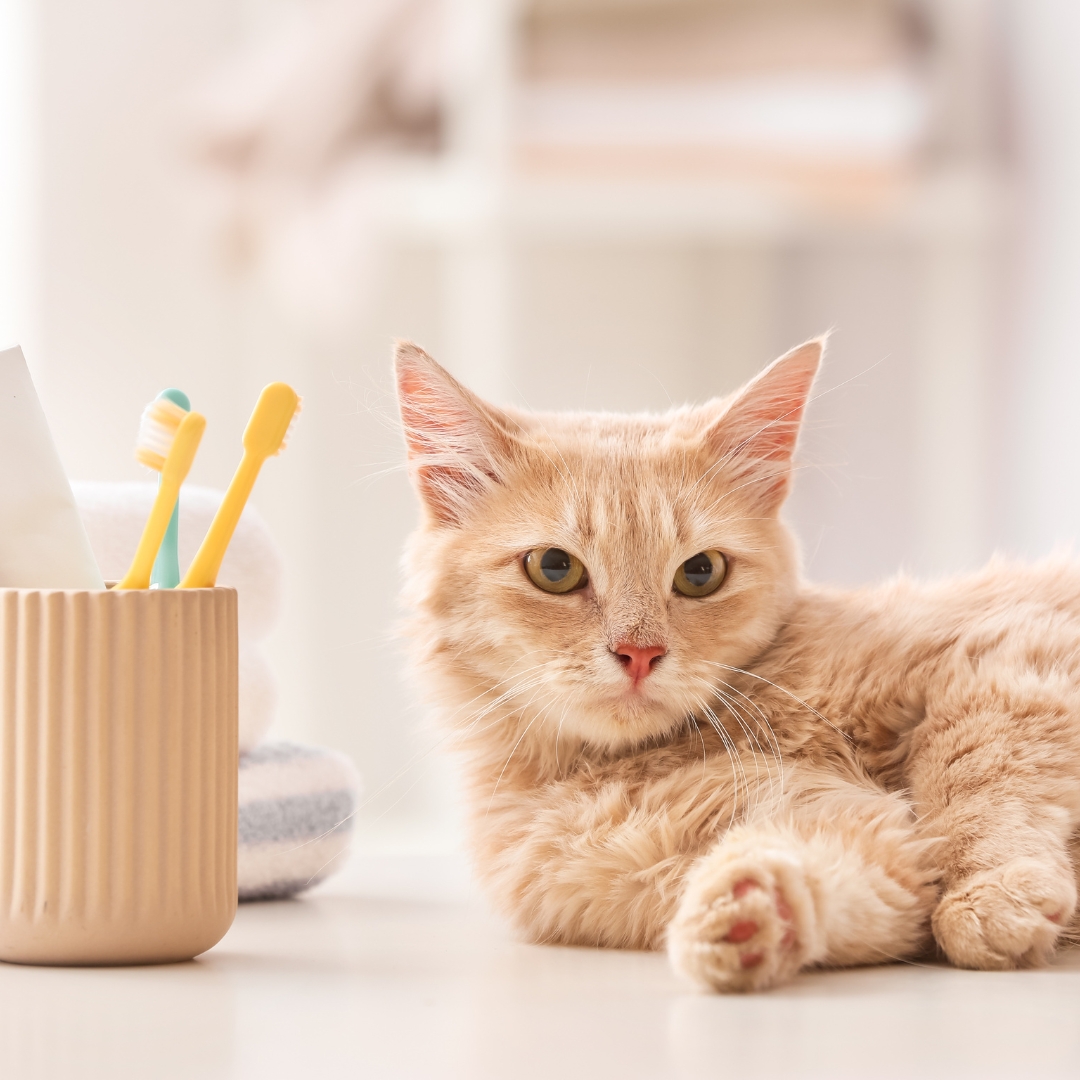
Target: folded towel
column 114, row 515
column 296, row 818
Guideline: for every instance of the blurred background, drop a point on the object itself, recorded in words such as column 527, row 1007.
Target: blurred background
column 573, row 204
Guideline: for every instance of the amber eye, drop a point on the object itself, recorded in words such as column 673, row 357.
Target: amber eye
column 555, row 570
column 701, row 574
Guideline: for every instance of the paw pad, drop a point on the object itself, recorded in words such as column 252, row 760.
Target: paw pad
column 741, row 931
column 737, row 931
column 743, row 887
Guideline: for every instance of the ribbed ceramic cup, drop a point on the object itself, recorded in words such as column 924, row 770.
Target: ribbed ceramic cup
column 118, row 767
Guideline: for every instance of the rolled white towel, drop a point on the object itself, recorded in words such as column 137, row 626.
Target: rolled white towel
column 296, row 817
column 114, row 515
column 258, row 694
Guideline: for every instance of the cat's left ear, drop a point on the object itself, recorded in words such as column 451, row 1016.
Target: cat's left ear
column 755, row 435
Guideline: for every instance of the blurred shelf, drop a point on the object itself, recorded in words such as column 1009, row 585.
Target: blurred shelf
column 447, row 202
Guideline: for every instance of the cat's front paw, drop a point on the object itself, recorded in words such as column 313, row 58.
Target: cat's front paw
column 1008, row 917
column 746, row 920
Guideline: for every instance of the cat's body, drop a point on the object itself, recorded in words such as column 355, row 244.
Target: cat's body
column 764, row 777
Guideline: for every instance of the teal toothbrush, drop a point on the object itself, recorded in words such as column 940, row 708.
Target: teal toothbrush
column 166, row 573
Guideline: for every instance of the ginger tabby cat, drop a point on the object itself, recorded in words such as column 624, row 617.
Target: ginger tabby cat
column 670, row 740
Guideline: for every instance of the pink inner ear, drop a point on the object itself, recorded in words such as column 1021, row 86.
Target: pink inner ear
column 764, row 420
column 447, row 441
column 760, row 428
column 771, row 429
column 426, row 413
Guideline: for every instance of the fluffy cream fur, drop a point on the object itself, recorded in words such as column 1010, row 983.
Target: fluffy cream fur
column 808, row 776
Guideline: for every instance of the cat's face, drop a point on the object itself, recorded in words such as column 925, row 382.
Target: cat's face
column 601, row 573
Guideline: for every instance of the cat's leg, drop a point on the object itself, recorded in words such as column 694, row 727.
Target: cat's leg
column 833, row 875
column 598, row 864
column 996, row 774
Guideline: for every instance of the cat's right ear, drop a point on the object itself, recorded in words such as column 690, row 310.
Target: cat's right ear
column 457, row 443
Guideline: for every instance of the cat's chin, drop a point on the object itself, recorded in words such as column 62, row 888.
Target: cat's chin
column 625, row 721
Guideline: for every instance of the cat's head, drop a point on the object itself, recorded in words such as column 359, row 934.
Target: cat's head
column 600, row 573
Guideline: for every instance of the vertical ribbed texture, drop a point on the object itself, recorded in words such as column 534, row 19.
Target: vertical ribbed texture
column 118, row 767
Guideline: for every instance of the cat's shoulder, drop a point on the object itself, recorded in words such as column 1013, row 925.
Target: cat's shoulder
column 1054, row 579
column 904, row 611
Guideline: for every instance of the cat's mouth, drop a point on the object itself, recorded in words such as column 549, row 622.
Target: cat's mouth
column 637, row 692
column 638, row 696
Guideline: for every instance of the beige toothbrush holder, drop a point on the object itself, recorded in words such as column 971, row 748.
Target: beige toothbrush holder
column 118, row 765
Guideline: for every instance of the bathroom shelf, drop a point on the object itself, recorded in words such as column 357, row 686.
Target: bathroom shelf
column 448, row 201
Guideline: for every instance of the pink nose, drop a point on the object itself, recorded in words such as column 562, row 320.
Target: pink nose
column 638, row 661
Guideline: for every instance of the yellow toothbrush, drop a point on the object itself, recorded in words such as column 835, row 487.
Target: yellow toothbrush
column 264, row 436
column 168, row 439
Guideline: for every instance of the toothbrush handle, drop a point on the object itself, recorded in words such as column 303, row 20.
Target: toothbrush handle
column 138, row 575
column 203, row 571
column 166, row 573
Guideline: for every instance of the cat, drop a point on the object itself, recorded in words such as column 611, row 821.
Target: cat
column 669, row 740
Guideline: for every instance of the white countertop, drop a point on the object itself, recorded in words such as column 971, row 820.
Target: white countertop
column 397, row 970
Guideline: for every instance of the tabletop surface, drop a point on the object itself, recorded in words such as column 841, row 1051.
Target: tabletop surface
column 398, row 970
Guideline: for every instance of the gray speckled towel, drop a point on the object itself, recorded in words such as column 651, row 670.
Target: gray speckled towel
column 296, row 817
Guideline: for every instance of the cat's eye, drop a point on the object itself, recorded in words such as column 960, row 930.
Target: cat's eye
column 701, row 574
column 555, row 570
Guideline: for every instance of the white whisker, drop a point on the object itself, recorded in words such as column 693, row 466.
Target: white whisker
column 783, row 690
column 762, row 719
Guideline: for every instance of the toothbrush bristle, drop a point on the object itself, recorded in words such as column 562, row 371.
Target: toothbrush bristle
column 157, row 430
column 292, row 424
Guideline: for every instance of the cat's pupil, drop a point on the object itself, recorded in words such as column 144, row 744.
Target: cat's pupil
column 698, row 569
column 555, row 564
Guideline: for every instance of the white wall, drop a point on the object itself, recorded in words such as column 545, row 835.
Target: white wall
column 1041, row 470
column 17, row 53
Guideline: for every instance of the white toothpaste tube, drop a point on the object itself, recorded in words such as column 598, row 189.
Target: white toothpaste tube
column 42, row 541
